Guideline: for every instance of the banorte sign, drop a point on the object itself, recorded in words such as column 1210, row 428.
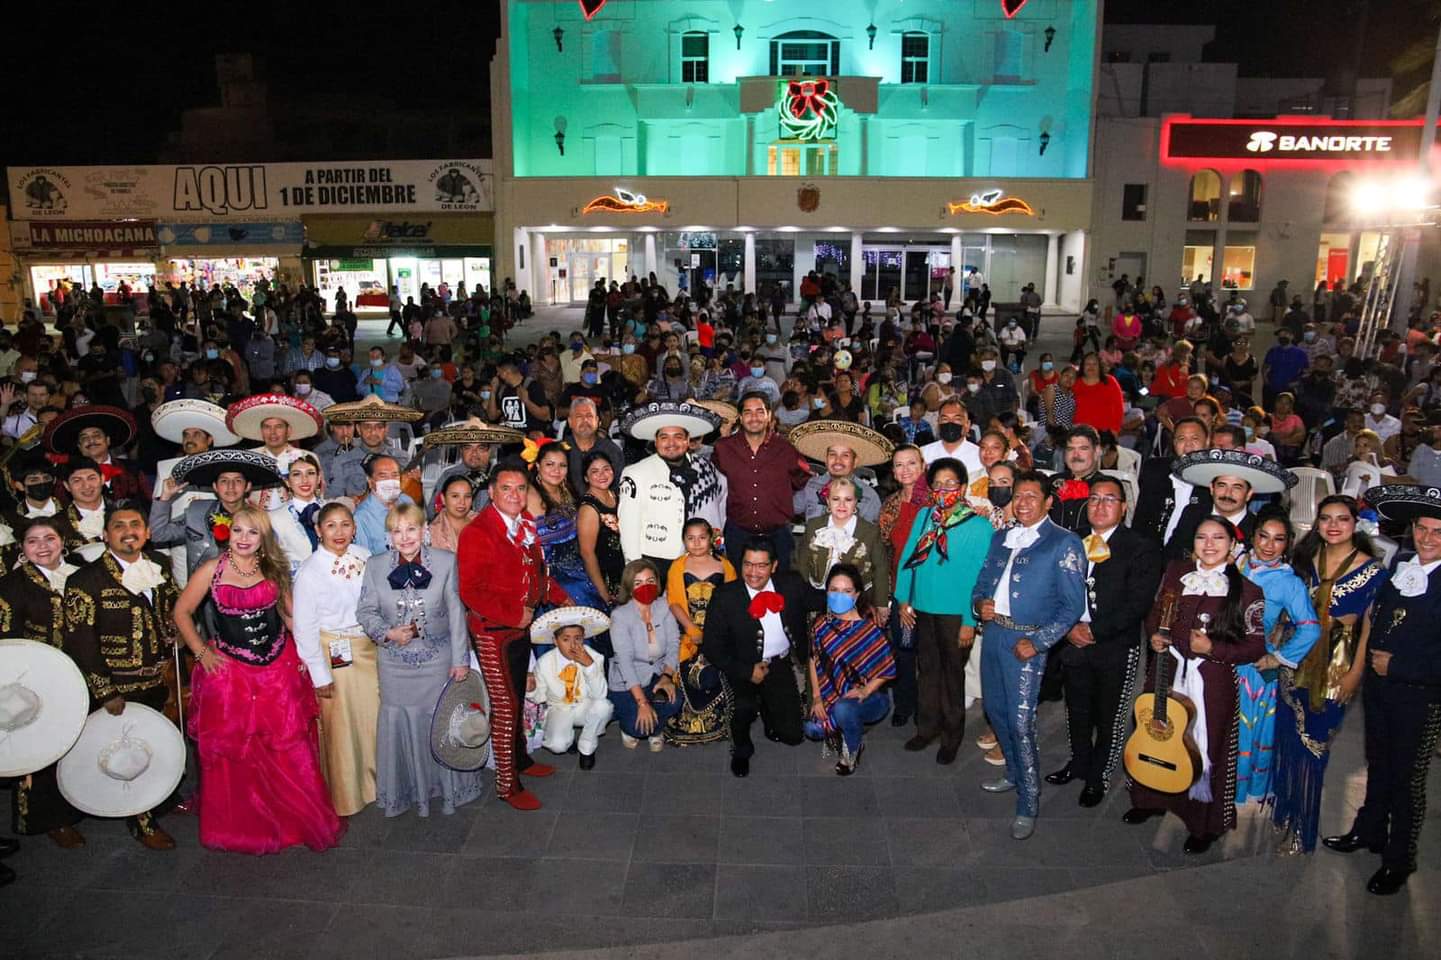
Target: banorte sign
column 1302, row 141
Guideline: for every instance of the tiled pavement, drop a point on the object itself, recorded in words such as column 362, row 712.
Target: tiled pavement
column 669, row 847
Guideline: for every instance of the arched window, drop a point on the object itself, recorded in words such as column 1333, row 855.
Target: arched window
column 1244, row 205
column 1205, row 204
column 1338, row 197
column 803, row 53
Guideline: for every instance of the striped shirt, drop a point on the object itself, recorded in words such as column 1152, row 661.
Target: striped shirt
column 849, row 654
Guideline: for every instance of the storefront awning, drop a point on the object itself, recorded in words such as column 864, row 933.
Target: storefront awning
column 387, row 252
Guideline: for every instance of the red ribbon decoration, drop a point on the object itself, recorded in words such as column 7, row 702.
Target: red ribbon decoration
column 806, row 97
column 110, row 471
column 1074, row 490
column 767, row 601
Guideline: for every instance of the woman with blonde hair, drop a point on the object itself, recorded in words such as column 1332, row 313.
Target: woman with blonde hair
column 252, row 711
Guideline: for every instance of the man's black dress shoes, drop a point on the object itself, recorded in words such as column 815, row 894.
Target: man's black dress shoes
column 740, row 766
column 1061, row 776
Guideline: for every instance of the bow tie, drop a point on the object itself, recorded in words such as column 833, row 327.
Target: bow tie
column 1097, row 550
column 409, row 575
column 142, row 575
column 767, row 601
column 1019, row 538
column 1206, row 583
column 110, row 471
column 1410, row 578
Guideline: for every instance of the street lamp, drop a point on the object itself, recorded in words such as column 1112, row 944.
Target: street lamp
column 1050, row 33
column 738, row 31
column 871, row 34
column 1045, row 140
column 559, row 34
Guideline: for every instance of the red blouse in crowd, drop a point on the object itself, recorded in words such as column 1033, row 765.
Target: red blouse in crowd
column 1100, row 405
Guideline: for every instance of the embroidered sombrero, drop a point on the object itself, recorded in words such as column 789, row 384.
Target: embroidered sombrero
column 589, row 619
column 1404, row 502
column 473, row 430
column 726, row 411
column 245, row 416
column 63, row 434
column 372, row 410
column 812, row 439
column 460, row 725
column 201, row 470
column 645, row 421
column 1203, row 466
column 172, row 419
column 43, row 706
column 122, row 766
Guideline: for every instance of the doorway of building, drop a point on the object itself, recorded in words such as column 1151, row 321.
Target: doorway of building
column 1133, row 265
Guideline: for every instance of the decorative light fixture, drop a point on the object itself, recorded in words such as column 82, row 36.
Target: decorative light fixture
column 623, row 201
column 871, row 34
column 559, row 34
column 738, row 31
column 560, row 141
column 807, row 110
column 1045, row 141
column 993, row 202
column 1050, row 33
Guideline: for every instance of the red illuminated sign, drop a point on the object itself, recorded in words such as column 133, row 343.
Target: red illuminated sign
column 591, row 7
column 1288, row 141
column 1012, row 7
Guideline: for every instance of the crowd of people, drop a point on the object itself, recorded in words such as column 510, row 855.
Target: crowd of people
column 357, row 582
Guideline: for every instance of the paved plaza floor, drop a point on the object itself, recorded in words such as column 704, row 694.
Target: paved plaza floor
column 648, row 855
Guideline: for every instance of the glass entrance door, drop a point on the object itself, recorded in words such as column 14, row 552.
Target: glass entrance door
column 585, row 270
column 918, row 275
column 881, row 273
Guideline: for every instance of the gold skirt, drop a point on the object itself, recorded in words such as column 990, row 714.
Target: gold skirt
column 347, row 725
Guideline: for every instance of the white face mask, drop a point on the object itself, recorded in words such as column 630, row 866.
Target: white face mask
column 944, row 377
column 1377, row 409
column 972, row 386
column 387, row 490
column 27, row 376
column 302, row 389
column 988, row 365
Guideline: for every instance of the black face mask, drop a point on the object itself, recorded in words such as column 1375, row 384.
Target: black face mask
column 952, row 432
column 999, row 496
column 40, row 491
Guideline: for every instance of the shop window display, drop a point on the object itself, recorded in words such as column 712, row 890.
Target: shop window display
column 241, row 272
column 45, row 279
column 1238, row 269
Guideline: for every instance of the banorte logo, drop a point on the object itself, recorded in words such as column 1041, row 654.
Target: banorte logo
column 1262, row 141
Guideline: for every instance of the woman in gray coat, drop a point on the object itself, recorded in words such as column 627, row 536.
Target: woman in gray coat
column 645, row 668
column 410, row 606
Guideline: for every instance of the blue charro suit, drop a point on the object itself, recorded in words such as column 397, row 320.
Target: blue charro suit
column 1048, row 595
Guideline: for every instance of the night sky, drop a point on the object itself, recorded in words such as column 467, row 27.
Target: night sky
column 85, row 87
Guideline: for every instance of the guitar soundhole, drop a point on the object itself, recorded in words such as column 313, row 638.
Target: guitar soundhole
column 1159, row 730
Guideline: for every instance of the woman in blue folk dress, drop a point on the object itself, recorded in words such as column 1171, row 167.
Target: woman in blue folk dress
column 1288, row 641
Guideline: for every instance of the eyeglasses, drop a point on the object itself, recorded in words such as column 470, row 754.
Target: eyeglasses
column 1103, row 500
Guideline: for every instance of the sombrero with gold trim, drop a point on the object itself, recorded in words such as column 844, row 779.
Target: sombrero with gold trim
column 473, row 430
column 63, row 434
column 372, row 410
column 814, row 437
column 726, row 411
column 245, row 416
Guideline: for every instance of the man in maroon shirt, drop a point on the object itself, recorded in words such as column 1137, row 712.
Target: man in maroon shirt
column 762, row 472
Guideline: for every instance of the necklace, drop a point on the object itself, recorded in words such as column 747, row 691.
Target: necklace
column 240, row 571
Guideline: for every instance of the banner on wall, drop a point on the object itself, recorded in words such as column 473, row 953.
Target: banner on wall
column 85, row 234
column 238, row 234
column 260, row 191
column 361, row 237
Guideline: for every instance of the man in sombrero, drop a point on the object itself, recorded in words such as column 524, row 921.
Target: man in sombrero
column 660, row 493
column 275, row 420
column 477, row 442
column 1402, row 690
column 197, row 426
column 842, row 447
column 1233, row 477
column 204, row 526
column 97, row 433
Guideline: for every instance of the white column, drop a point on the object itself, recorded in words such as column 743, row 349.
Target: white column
column 650, row 261
column 543, row 276
column 1053, row 256
column 858, row 266
column 748, row 269
column 957, row 254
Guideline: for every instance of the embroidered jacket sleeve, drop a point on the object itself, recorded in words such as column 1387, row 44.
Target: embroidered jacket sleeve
column 82, row 641
column 629, row 513
column 1250, row 646
column 1067, row 601
column 459, row 638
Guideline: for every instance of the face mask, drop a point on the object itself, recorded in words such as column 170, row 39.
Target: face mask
column 485, row 394
column 629, row 348
column 1250, row 433
column 377, row 362
column 645, row 593
column 1010, row 323
column 332, row 363
column 988, row 365
column 818, row 402
column 944, row 377
column 839, row 603
column 1283, row 343
column 212, row 354
column 999, row 496
column 845, row 341
column 1048, row 365
column 758, row 371
column 302, row 389
column 589, row 378
column 1309, row 336
column 577, row 345
column 40, row 491
column 1377, row 409
column 770, row 338
column 387, row 490
column 27, row 376
column 436, row 374
column 972, row 386
column 952, row 432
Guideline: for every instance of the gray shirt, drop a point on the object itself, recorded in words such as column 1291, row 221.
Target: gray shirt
column 1426, row 465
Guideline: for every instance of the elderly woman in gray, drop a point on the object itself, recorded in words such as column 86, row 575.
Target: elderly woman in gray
column 644, row 670
column 410, row 606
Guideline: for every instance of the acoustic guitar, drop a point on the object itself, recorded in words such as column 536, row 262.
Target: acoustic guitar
column 1161, row 753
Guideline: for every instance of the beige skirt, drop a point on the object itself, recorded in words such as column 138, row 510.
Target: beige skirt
column 347, row 725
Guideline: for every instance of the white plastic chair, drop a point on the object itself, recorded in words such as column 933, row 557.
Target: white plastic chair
column 1132, row 489
column 1129, row 461
column 1312, row 486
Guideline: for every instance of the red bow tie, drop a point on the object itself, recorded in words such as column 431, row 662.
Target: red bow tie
column 110, row 471
column 767, row 601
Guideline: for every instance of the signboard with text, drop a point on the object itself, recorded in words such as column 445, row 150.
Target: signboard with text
column 263, row 191
column 1298, row 140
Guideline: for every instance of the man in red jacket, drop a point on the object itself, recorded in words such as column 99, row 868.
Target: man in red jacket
column 502, row 580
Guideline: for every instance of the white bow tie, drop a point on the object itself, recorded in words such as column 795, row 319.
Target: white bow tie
column 91, row 525
column 1019, row 538
column 1205, row 583
column 142, row 575
column 1410, row 578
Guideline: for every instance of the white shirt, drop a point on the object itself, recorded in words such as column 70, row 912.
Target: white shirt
column 775, row 632
column 50, row 508
column 16, row 426
column 149, row 595
column 1003, row 586
column 1386, row 427
column 1181, row 494
column 326, row 599
column 968, row 453
column 1090, row 571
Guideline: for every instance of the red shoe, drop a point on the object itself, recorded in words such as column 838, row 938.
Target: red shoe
column 523, row 800
column 538, row 770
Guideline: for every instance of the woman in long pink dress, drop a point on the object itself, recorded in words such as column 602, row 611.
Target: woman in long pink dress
column 252, row 707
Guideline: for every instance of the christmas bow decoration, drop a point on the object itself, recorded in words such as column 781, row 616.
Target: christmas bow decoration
column 807, row 96
column 767, row 601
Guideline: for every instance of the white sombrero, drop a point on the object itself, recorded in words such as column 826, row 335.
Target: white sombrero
column 645, row 421
column 43, row 702
column 123, row 766
column 460, row 727
column 245, row 416
column 589, row 619
column 814, row 437
column 172, row 419
column 1203, row 466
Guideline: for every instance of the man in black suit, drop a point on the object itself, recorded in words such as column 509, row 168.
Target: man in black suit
column 1230, row 496
column 1162, row 497
column 1102, row 653
column 1083, row 464
column 752, row 627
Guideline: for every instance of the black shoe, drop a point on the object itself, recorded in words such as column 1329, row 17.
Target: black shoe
column 1197, row 845
column 1061, row 777
column 587, row 761
column 772, row 736
column 947, row 755
column 8, row 845
column 572, row 749
column 740, row 766
column 1386, row 881
column 7, row 876
column 899, row 719
column 917, row 743
column 1349, row 842
column 1091, row 797
column 1137, row 815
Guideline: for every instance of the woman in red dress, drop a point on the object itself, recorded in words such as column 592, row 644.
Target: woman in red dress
column 252, row 707
column 1099, row 401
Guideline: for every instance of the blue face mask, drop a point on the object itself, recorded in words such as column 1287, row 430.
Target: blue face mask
column 839, row 603
column 436, row 373
column 332, row 362
column 628, row 348
column 212, row 354
column 589, row 378
column 1048, row 366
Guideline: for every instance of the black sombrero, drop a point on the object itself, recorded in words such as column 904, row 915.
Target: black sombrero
column 202, row 469
column 1404, row 502
column 63, row 434
column 1203, row 466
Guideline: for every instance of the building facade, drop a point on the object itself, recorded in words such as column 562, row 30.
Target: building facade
column 748, row 142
